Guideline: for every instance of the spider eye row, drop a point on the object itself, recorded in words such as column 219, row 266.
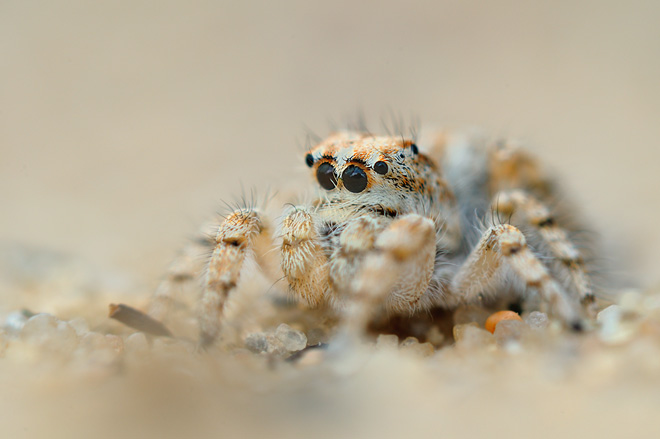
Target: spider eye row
column 353, row 177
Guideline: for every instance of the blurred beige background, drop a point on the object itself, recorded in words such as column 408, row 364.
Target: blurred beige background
column 124, row 124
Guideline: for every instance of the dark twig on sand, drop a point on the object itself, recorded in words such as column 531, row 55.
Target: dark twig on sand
column 138, row 320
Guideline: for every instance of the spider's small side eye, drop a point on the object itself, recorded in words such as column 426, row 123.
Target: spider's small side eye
column 309, row 160
column 325, row 174
column 414, row 149
column 354, row 178
column 381, row 168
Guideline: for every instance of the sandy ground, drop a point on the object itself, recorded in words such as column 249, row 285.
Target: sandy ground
column 125, row 125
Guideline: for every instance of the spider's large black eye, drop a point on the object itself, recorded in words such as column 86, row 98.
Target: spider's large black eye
column 414, row 149
column 354, row 179
column 325, row 174
column 309, row 160
column 381, row 168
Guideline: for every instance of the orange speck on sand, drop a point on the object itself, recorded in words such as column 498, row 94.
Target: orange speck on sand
column 495, row 318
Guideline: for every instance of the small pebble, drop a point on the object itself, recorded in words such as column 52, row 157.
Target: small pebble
column 387, row 341
column 39, row 325
column 276, row 347
column 537, row 320
column 49, row 333
column 609, row 320
column 435, row 337
column 612, row 330
column 292, row 339
column 411, row 344
column 257, row 342
column 472, row 337
column 409, row 341
column 79, row 325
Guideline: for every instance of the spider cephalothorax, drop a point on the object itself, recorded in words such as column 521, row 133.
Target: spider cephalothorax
column 389, row 175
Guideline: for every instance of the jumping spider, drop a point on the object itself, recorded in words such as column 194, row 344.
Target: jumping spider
column 395, row 231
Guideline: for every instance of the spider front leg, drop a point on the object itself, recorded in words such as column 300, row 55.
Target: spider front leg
column 355, row 242
column 303, row 260
column 237, row 237
column 505, row 247
column 395, row 274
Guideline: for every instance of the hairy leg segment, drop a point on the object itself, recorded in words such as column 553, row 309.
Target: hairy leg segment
column 236, row 239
